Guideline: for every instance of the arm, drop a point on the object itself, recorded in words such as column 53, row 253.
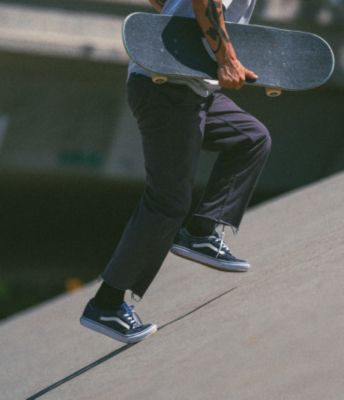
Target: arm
column 231, row 73
column 157, row 4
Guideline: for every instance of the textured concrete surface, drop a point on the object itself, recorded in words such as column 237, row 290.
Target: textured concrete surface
column 275, row 332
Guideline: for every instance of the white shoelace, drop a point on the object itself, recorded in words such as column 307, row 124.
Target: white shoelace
column 130, row 317
column 221, row 240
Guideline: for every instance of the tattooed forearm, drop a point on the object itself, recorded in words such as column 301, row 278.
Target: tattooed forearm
column 209, row 15
column 230, row 72
column 157, row 4
column 216, row 32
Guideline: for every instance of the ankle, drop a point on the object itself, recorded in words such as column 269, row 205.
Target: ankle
column 199, row 226
column 108, row 298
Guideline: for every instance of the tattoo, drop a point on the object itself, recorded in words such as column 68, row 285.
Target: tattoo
column 213, row 12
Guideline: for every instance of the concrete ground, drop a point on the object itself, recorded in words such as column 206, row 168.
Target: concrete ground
column 275, row 332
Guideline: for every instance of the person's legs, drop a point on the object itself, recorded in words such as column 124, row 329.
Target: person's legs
column 243, row 144
column 170, row 124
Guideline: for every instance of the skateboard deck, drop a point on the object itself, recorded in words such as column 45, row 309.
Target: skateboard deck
column 169, row 47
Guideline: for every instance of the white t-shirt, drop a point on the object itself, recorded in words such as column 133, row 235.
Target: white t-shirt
column 239, row 11
column 236, row 10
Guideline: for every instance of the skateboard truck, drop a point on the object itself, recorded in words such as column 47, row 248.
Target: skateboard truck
column 269, row 91
column 161, row 79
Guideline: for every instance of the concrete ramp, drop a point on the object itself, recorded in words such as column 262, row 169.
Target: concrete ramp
column 276, row 332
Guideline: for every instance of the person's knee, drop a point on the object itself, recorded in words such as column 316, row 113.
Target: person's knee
column 262, row 137
column 266, row 138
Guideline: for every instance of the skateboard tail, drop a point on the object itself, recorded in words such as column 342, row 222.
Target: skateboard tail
column 326, row 44
column 293, row 61
column 123, row 32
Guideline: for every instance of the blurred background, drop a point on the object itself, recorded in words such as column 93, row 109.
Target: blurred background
column 71, row 167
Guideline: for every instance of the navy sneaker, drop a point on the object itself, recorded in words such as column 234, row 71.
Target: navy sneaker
column 122, row 324
column 209, row 250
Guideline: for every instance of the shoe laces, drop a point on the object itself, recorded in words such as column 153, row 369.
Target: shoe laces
column 220, row 240
column 130, row 316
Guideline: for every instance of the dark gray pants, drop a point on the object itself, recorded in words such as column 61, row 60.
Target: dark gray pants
column 175, row 124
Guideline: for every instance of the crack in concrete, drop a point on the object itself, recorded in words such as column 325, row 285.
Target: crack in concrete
column 196, row 309
column 121, row 349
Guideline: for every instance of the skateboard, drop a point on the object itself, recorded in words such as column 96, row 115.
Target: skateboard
column 170, row 47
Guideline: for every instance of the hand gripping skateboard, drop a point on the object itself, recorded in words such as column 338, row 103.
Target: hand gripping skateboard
column 170, row 47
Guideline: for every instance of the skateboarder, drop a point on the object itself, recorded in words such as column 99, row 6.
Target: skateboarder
column 176, row 120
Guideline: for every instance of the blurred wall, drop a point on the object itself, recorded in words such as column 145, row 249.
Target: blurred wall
column 63, row 107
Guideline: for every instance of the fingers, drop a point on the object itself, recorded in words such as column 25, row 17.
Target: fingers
column 230, row 84
column 250, row 76
column 235, row 77
column 233, row 80
column 237, row 82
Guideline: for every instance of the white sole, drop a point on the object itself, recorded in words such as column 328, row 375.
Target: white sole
column 209, row 261
column 138, row 337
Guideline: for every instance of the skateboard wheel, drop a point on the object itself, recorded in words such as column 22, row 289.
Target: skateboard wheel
column 159, row 79
column 273, row 92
